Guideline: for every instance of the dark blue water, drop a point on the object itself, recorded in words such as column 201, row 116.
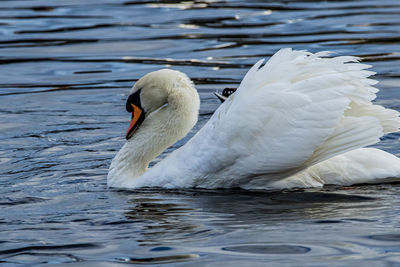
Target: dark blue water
column 65, row 70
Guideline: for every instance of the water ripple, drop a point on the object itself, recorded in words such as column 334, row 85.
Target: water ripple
column 66, row 70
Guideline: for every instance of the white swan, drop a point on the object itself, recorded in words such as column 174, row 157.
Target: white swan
column 300, row 120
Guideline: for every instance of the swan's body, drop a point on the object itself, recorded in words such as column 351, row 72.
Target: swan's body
column 298, row 121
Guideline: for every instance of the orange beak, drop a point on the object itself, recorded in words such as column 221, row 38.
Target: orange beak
column 136, row 121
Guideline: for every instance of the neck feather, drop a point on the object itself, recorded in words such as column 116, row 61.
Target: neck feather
column 161, row 129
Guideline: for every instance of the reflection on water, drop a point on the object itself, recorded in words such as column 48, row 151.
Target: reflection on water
column 66, row 67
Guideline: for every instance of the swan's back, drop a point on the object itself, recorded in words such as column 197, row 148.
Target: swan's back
column 295, row 111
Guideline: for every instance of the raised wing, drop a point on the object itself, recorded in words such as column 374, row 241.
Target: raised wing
column 295, row 111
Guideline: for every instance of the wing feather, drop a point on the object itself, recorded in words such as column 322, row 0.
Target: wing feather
column 294, row 111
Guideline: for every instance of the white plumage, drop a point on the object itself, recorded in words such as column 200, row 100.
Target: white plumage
column 289, row 124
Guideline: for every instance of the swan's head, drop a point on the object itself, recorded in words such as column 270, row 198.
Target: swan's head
column 156, row 90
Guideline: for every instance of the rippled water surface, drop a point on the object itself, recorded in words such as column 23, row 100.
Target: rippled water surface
column 65, row 70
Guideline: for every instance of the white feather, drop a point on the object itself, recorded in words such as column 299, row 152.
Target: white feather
column 360, row 166
column 297, row 110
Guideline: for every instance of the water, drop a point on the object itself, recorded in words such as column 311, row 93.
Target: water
column 66, row 69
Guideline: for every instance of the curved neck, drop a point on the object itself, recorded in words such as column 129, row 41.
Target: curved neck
column 161, row 129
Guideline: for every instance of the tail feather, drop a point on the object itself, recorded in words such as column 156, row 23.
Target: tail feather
column 351, row 133
column 388, row 118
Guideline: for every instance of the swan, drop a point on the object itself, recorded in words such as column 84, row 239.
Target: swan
column 300, row 120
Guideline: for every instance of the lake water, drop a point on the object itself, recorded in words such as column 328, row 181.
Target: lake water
column 66, row 69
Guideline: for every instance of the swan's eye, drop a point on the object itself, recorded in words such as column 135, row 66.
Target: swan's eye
column 133, row 99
